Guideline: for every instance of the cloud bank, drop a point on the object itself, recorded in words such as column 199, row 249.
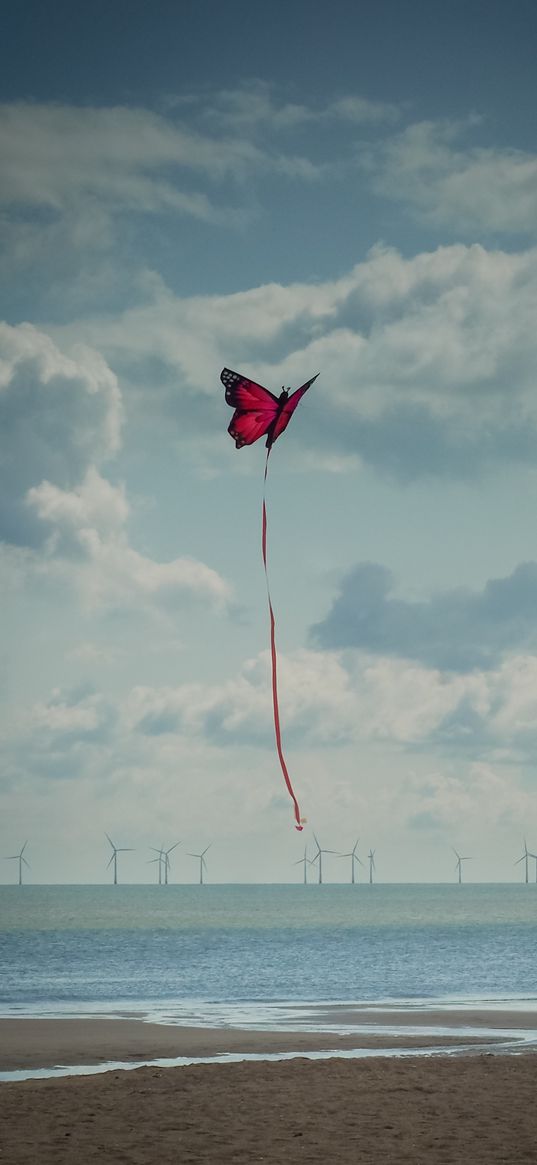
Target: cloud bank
column 457, row 630
column 427, row 364
column 61, row 418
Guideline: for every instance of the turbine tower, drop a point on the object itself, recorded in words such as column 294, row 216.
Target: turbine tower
column 21, row 860
column 319, row 857
column 524, row 859
column 372, row 866
column 304, row 862
column 116, row 849
column 458, row 863
column 202, row 862
column 354, row 858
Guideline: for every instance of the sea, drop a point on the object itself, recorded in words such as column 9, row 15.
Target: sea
column 265, row 956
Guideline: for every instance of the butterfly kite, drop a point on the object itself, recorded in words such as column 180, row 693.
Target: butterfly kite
column 258, row 413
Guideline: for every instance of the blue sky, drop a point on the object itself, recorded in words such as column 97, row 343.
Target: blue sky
column 354, row 194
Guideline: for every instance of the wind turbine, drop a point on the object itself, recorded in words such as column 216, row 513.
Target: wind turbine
column 116, row 849
column 20, row 859
column 160, row 853
column 304, row 862
column 163, row 860
column 166, row 859
column 458, row 863
column 319, row 857
column 524, row 859
column 372, row 866
column 354, row 858
column 203, row 863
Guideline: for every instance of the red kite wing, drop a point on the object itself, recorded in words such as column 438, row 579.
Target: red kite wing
column 255, row 407
column 283, row 418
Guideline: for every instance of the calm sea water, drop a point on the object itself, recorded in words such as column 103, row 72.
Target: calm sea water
column 189, row 950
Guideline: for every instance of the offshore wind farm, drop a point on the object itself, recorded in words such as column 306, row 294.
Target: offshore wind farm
column 311, row 869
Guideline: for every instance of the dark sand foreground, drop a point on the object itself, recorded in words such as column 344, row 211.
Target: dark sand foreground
column 476, row 1110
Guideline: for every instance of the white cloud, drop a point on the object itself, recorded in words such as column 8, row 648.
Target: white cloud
column 93, row 504
column 482, row 798
column 486, row 713
column 483, row 188
column 54, row 155
column 26, row 352
column 58, row 718
column 315, row 699
column 328, row 700
column 362, row 111
column 89, row 546
column 88, row 652
column 89, row 163
column 255, row 106
column 61, row 415
column 58, row 413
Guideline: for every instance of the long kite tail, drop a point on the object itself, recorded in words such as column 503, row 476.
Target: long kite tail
column 274, row 660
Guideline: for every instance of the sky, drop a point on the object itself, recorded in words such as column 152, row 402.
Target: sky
column 351, row 193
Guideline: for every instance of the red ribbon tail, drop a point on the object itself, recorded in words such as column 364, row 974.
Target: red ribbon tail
column 274, row 664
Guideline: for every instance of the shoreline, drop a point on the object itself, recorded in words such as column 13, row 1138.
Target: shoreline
column 46, row 1043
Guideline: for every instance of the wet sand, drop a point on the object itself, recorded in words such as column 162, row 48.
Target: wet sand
column 41, row 1043
column 475, row 1110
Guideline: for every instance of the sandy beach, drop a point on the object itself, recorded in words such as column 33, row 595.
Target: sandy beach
column 475, row 1110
